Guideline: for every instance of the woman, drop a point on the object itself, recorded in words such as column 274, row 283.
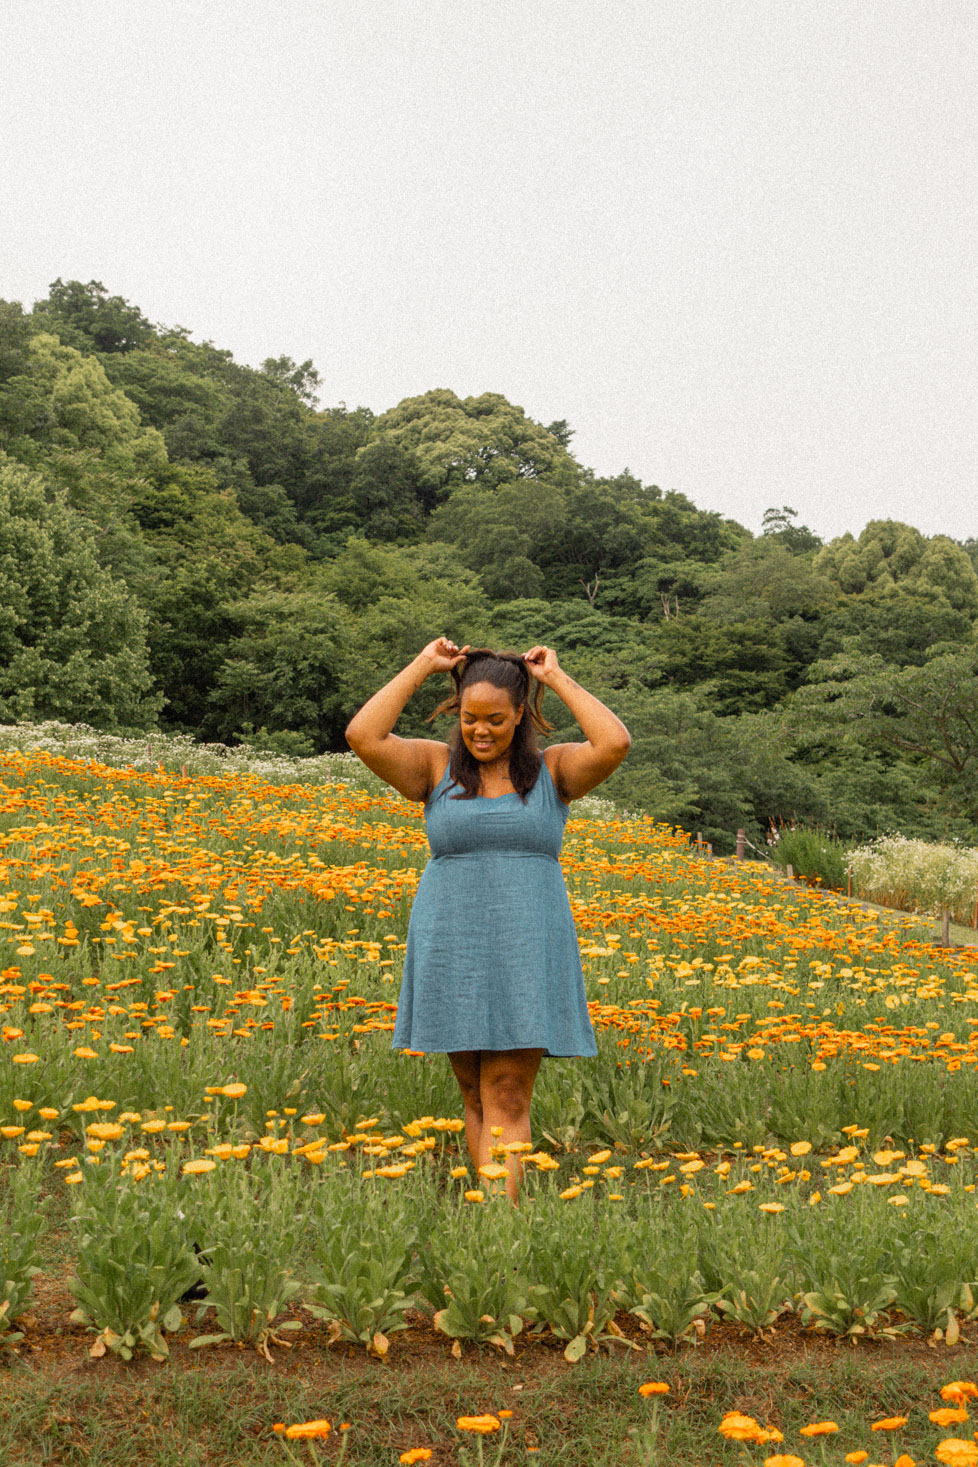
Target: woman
column 492, row 971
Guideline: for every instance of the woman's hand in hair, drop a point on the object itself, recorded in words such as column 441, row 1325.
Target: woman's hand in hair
column 443, row 654
column 541, row 663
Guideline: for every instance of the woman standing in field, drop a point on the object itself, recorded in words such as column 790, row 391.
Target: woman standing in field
column 492, row 971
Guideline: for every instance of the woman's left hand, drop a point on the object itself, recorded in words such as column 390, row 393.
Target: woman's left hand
column 542, row 663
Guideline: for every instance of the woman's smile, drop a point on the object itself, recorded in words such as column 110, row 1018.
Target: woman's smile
column 488, row 719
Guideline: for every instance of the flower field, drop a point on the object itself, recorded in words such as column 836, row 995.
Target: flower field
column 778, row 1141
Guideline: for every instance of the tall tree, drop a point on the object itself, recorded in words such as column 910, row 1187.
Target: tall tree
column 72, row 638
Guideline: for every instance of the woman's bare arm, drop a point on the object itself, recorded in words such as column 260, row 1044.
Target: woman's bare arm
column 578, row 768
column 411, row 766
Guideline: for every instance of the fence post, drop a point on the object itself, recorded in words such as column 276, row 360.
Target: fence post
column 699, row 842
column 849, row 882
column 946, row 928
column 790, row 870
column 183, row 771
column 741, row 837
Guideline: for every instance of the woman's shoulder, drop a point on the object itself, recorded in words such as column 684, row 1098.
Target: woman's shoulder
column 551, row 764
column 439, row 760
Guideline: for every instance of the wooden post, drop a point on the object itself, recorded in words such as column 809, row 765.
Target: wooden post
column 183, row 771
column 709, row 848
column 791, row 871
column 741, row 837
column 699, row 842
column 946, row 928
column 849, row 882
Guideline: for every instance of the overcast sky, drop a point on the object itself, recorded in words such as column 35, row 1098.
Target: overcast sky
column 732, row 242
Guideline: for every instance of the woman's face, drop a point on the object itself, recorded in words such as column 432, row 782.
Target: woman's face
column 489, row 718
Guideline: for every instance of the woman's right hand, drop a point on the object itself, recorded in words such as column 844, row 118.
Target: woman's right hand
column 442, row 654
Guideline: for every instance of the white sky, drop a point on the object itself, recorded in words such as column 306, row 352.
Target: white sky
column 731, row 241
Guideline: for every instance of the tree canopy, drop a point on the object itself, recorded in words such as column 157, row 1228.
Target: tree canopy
column 189, row 539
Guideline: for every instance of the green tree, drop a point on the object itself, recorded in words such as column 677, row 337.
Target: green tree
column 284, row 670
column 72, row 638
column 928, row 714
column 779, row 525
column 484, row 440
column 87, row 317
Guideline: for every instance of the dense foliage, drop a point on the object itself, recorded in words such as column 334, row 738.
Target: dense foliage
column 189, row 539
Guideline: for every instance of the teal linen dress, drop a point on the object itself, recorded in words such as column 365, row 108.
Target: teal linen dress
column 492, row 959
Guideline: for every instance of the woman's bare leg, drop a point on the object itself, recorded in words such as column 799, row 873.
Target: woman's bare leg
column 466, row 1065
column 497, row 1086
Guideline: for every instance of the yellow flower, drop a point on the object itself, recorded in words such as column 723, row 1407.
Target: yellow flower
column 800, row 1148
column 891, row 1423
column 304, row 1431
column 771, row 1207
column 956, row 1451
column 473, row 1194
column 819, row 1428
column 959, row 1390
column 784, row 1459
column 948, row 1416
column 483, row 1425
column 739, row 1428
column 196, row 1168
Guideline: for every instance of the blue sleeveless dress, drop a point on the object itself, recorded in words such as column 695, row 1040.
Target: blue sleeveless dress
column 492, row 960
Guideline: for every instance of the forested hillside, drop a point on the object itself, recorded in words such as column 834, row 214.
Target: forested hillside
column 190, row 543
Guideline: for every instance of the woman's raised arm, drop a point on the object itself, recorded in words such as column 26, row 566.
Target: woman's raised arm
column 577, row 768
column 408, row 765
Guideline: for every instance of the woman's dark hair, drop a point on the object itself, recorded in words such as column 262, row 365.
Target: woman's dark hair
column 507, row 671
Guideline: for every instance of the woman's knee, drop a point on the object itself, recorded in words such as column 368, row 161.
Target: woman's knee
column 506, row 1093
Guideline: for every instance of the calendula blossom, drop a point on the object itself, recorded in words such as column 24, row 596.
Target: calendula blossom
column 304, row 1431
column 957, row 1451
column 482, row 1425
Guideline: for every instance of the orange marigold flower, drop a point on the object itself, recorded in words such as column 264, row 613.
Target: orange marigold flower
column 889, row 1423
column 856, row 1457
column 416, row 1454
column 784, row 1459
column 819, row 1428
column 959, row 1390
column 739, row 1428
column 948, row 1416
column 307, row 1431
column 481, row 1424
column 654, row 1388
column 956, row 1451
